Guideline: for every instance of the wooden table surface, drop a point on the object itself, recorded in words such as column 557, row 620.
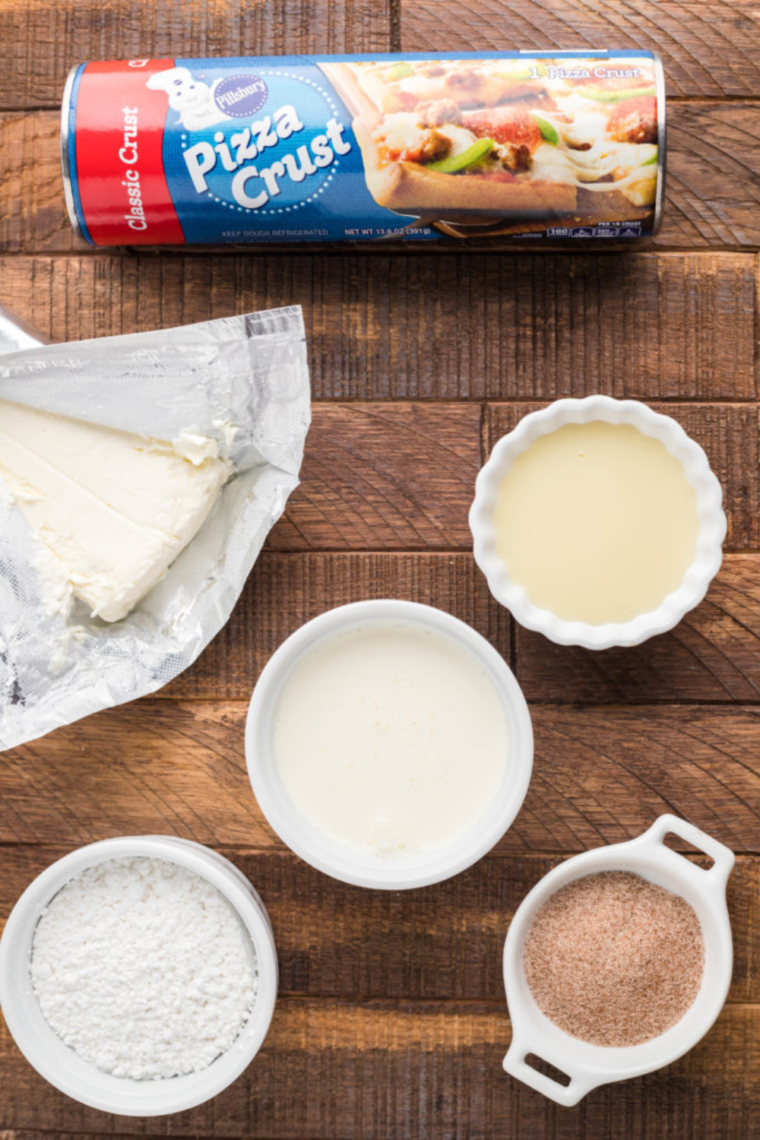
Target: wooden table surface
column 391, row 1022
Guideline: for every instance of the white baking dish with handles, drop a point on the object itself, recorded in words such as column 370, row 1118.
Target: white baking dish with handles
column 712, row 522
column 586, row 1065
column 64, row 1068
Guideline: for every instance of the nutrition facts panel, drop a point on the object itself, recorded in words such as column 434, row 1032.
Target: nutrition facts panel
column 391, row 1021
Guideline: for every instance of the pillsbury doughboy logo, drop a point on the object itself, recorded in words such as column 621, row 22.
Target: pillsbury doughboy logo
column 240, row 95
column 191, row 98
column 264, row 144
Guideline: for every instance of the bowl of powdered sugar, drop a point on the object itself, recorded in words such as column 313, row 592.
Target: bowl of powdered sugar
column 617, row 962
column 139, row 975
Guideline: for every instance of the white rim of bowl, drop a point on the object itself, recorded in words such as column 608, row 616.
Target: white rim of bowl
column 588, row 1065
column 30, row 1030
column 712, row 522
column 317, row 848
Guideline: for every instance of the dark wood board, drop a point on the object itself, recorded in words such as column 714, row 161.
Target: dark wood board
column 707, row 50
column 602, row 774
column 391, row 1021
column 52, row 38
column 441, row 943
column 423, row 326
column 712, row 656
column 712, row 185
column 412, row 1070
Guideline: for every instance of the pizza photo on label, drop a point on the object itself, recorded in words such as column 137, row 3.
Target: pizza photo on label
column 504, row 144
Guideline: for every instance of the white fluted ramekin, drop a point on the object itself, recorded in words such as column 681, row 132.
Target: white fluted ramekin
column 712, row 522
column 64, row 1068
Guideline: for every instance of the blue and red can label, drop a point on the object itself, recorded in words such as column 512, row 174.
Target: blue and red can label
column 227, row 151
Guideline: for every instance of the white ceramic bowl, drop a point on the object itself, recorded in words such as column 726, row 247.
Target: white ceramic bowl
column 348, row 863
column 59, row 1064
column 712, row 522
column 592, row 1065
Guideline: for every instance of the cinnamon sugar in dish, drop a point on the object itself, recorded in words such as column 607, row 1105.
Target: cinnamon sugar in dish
column 614, row 959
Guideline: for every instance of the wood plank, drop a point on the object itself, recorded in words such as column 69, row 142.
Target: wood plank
column 335, row 1070
column 440, row 943
column 729, row 435
column 601, row 775
column 383, row 476
column 712, row 655
column 392, row 1021
column 48, row 40
column 712, row 190
column 286, row 590
column 708, row 49
column 386, row 476
column 438, row 326
column 32, row 209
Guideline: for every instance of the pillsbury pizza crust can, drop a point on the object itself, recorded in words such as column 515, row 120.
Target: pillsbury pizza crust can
column 546, row 145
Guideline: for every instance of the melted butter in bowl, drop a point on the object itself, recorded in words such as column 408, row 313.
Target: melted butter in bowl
column 597, row 521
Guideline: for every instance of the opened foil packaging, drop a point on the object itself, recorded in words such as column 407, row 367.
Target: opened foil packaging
column 242, row 381
column 15, row 333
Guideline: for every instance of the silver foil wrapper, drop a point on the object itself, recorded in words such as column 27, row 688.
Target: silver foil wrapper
column 16, row 334
column 242, row 381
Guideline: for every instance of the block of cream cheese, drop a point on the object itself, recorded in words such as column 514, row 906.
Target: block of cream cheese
column 114, row 508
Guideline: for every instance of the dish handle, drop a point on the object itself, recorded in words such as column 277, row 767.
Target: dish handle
column 579, row 1083
column 715, row 877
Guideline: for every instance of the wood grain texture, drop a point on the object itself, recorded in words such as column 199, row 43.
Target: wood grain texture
column 413, row 1071
column 712, row 191
column 391, row 1023
column 286, row 590
column 441, row 943
column 379, row 476
column 729, row 435
column 713, row 654
column 712, row 188
column 400, row 326
column 707, row 49
column 399, row 475
column 52, row 38
column 600, row 775
column 32, row 209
